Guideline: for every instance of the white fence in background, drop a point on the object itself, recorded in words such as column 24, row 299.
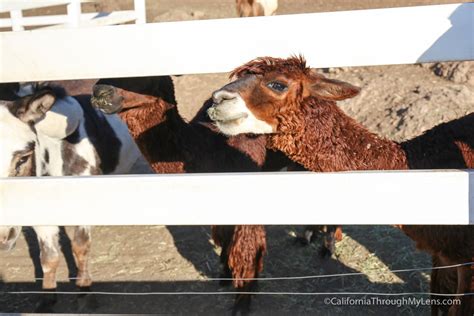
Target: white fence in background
column 74, row 17
column 350, row 38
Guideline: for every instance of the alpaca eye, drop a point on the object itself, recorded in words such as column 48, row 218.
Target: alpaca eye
column 277, row 86
column 21, row 161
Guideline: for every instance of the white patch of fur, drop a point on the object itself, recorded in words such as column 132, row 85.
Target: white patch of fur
column 62, row 120
column 14, row 136
column 86, row 150
column 129, row 151
column 67, row 117
column 130, row 154
column 269, row 6
column 46, row 233
column 225, row 112
column 48, row 237
column 55, row 165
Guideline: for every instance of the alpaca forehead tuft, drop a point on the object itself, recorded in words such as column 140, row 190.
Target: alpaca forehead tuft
column 263, row 65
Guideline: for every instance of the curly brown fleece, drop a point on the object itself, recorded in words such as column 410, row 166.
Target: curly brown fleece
column 312, row 131
column 244, row 247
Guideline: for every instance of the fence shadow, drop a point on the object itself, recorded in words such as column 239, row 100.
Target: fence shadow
column 193, row 243
column 395, row 250
column 284, row 258
column 453, row 39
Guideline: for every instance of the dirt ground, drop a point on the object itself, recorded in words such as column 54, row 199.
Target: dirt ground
column 398, row 102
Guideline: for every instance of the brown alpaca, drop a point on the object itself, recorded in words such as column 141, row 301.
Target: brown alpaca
column 148, row 107
column 247, row 8
column 296, row 108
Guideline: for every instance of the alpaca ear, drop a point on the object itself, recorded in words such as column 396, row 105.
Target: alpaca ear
column 62, row 120
column 333, row 90
column 33, row 108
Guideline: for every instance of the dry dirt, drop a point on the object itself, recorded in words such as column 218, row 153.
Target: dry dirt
column 398, row 102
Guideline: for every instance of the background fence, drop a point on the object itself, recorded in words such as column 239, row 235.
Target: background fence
column 73, row 18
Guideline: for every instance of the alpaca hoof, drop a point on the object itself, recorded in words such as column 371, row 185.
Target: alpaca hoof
column 83, row 282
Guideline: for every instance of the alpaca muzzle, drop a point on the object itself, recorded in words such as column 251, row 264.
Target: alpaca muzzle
column 218, row 115
column 106, row 99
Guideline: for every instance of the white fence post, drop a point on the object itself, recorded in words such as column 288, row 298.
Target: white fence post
column 16, row 17
column 74, row 13
column 140, row 11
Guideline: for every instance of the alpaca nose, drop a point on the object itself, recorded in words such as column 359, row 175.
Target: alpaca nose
column 223, row 95
column 100, row 90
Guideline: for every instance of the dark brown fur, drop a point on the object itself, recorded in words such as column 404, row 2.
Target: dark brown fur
column 311, row 130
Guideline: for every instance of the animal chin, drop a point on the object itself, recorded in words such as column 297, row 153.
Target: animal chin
column 236, row 118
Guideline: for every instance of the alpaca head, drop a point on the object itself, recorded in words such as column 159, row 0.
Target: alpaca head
column 18, row 120
column 120, row 94
column 268, row 92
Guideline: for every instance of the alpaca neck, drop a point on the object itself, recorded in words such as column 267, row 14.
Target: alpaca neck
column 146, row 116
column 326, row 139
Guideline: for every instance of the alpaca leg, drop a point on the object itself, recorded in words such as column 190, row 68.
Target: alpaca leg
column 81, row 245
column 246, row 262
column 338, row 233
column 9, row 236
column 225, row 269
column 222, row 236
column 308, row 235
column 332, row 234
column 243, row 301
column 48, row 238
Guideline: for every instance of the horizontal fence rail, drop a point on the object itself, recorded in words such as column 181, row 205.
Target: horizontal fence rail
column 14, row 5
column 73, row 18
column 415, row 197
column 348, row 38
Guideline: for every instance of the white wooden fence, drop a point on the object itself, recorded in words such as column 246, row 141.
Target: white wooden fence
column 352, row 38
column 74, row 17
